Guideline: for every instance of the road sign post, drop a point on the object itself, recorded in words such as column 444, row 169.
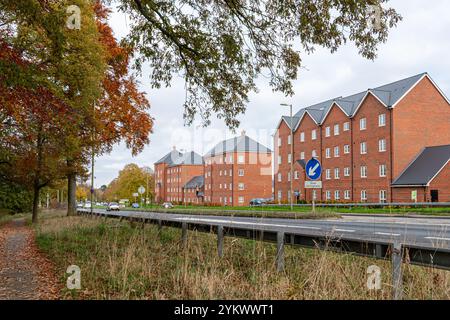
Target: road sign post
column 141, row 191
column 313, row 171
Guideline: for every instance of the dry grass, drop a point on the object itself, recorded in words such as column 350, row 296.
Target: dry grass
column 129, row 261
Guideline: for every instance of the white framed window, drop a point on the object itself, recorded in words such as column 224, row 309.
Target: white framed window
column 314, row 134
column 231, row 173
column 220, row 199
column 289, row 196
column 347, row 172
column 302, row 137
column 241, row 200
column 363, row 171
column 241, row 159
column 302, row 155
column 363, row 195
column 220, row 186
column 337, row 173
column 336, row 152
column 231, row 199
column 327, row 131
column 296, row 175
column 346, row 126
column 314, row 154
column 279, row 142
column 328, row 195
column 382, row 145
column 231, row 187
column 336, row 129
column 382, row 120
column 347, row 194
column 289, row 158
column 225, row 172
column 224, row 185
column 279, row 159
column 328, row 153
column 362, row 124
column 337, row 195
column 289, row 139
column 279, row 177
column 279, row 195
column 328, row 174
column 363, row 147
column 383, row 196
column 241, row 186
column 346, row 149
column 383, row 170
column 289, row 176
column 241, row 172
column 220, row 173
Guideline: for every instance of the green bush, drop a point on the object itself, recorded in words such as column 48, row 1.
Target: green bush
column 14, row 198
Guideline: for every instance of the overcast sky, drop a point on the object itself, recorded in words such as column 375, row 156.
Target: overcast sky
column 419, row 44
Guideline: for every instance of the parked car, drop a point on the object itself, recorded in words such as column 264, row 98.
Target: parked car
column 87, row 205
column 167, row 205
column 80, row 205
column 257, row 202
column 135, row 205
column 113, row 206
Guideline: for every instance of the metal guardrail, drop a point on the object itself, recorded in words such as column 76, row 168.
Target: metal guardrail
column 398, row 252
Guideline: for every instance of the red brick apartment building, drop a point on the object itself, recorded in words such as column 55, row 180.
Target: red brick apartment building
column 387, row 144
column 236, row 171
column 173, row 171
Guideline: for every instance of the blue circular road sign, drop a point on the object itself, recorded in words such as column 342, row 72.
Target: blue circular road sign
column 313, row 169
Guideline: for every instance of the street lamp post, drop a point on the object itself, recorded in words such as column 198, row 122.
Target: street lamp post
column 292, row 154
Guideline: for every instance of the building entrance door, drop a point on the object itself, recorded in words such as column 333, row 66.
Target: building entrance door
column 434, row 195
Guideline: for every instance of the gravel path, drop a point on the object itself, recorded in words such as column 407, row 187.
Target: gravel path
column 25, row 274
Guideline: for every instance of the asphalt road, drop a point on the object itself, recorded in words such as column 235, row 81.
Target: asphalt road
column 423, row 232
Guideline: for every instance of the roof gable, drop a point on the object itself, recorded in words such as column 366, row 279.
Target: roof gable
column 188, row 158
column 170, row 158
column 389, row 95
column 242, row 143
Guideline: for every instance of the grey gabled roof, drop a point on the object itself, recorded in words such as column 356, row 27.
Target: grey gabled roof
column 425, row 167
column 389, row 94
column 195, row 182
column 242, row 143
column 170, row 158
column 188, row 158
column 295, row 121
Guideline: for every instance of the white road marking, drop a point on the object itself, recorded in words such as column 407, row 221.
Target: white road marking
column 248, row 223
column 437, row 238
column 387, row 234
column 343, row 230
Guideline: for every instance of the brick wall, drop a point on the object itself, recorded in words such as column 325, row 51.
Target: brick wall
column 223, row 182
column 370, row 110
column 421, row 119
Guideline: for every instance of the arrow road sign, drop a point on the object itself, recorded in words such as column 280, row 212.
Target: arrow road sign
column 313, row 169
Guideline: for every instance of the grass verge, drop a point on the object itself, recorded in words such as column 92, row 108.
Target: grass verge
column 244, row 213
column 119, row 260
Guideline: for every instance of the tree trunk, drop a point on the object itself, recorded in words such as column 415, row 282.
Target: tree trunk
column 71, row 194
column 36, row 190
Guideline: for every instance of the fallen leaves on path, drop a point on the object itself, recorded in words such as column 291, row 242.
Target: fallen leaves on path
column 25, row 273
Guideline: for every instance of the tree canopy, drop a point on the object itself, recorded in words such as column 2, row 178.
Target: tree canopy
column 130, row 178
column 221, row 47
